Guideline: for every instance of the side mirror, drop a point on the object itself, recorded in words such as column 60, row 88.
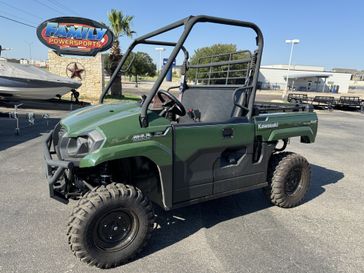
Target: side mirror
column 142, row 99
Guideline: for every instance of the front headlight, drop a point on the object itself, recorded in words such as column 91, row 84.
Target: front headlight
column 82, row 145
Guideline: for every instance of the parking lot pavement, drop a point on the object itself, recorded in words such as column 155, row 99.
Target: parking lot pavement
column 242, row 233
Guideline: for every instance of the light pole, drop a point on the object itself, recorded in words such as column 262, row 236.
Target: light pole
column 292, row 42
column 4, row 49
column 160, row 49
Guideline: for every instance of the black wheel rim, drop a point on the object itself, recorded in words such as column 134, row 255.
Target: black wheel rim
column 116, row 230
column 292, row 184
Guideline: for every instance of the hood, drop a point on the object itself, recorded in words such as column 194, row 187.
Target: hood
column 117, row 122
column 89, row 118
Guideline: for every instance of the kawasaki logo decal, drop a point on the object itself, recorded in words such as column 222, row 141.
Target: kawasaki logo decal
column 268, row 125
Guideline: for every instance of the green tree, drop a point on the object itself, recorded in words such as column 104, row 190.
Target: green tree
column 121, row 26
column 208, row 51
column 142, row 65
column 203, row 56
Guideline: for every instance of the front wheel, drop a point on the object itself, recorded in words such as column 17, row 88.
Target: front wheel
column 289, row 177
column 110, row 225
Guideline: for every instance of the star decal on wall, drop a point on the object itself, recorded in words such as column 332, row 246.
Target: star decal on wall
column 75, row 70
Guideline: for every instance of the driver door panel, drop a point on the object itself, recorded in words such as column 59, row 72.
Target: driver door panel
column 206, row 153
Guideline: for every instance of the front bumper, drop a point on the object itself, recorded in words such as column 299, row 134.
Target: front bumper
column 56, row 170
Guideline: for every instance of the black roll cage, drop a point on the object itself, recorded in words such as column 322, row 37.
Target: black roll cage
column 188, row 24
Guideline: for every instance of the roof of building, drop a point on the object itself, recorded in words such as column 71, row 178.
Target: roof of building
column 345, row 70
column 308, row 75
column 296, row 67
column 302, row 68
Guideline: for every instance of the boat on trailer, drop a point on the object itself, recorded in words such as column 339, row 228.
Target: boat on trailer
column 20, row 81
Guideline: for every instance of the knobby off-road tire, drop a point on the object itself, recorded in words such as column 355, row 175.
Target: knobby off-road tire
column 289, row 177
column 110, row 225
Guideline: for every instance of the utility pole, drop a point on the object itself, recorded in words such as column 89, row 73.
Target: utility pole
column 30, row 50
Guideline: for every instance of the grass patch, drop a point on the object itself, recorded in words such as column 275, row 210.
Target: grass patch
column 126, row 97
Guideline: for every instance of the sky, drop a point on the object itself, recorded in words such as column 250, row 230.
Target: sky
column 331, row 33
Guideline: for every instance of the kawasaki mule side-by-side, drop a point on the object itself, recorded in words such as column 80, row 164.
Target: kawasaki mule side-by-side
column 119, row 160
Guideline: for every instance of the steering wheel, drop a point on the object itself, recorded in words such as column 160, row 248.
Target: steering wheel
column 173, row 105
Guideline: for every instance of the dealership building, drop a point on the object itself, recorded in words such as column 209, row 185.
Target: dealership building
column 304, row 78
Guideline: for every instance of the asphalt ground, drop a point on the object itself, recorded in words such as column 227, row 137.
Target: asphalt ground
column 241, row 233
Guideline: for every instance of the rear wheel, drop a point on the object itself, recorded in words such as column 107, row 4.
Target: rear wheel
column 110, row 225
column 289, row 179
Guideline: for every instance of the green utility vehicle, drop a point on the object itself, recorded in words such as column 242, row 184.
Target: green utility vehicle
column 119, row 160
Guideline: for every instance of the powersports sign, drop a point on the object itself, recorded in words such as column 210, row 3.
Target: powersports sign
column 75, row 36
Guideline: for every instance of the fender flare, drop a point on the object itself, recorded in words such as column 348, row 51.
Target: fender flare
column 159, row 154
column 304, row 131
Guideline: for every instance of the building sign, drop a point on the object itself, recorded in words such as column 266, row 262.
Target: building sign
column 165, row 60
column 75, row 36
column 169, row 72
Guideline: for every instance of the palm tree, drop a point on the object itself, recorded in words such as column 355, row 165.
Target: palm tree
column 121, row 26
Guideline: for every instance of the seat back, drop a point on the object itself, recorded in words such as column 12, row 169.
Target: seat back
column 214, row 104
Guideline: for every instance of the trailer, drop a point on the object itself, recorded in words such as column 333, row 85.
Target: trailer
column 350, row 103
column 323, row 102
column 297, row 98
column 328, row 102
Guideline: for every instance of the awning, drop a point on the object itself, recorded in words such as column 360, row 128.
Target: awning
column 307, row 75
